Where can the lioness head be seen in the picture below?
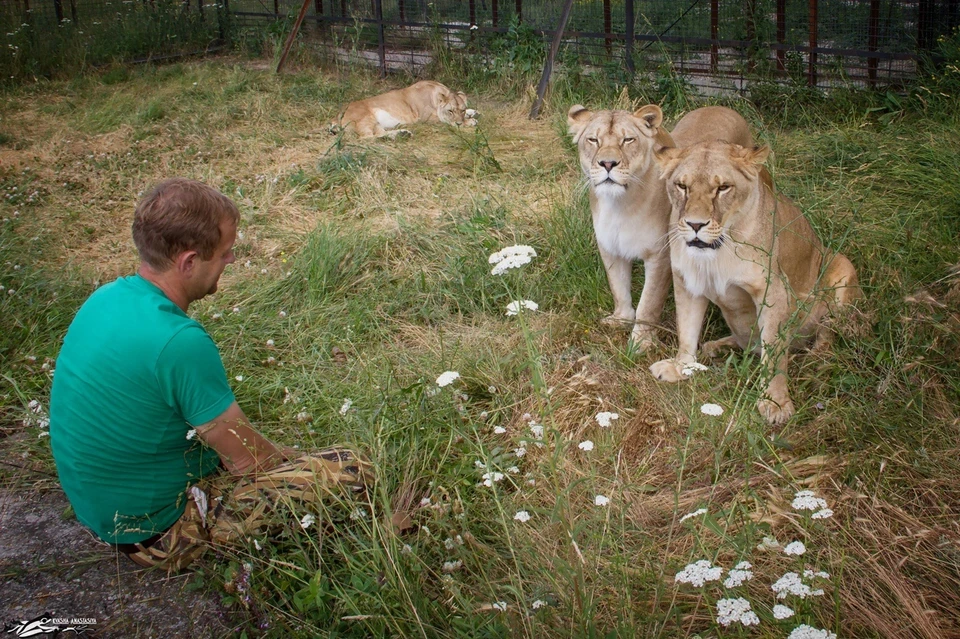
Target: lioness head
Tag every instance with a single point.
(711, 186)
(452, 107)
(615, 146)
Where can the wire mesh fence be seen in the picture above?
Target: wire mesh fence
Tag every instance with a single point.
(718, 43)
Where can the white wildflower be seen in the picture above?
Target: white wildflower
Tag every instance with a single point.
(804, 631)
(696, 513)
(806, 500)
(479, 464)
(236, 309)
(448, 543)
(782, 612)
(256, 544)
(809, 574)
(520, 452)
(270, 343)
(515, 261)
(825, 513)
(347, 403)
(511, 251)
(489, 479)
(513, 470)
(536, 430)
(406, 550)
(358, 513)
(738, 575)
(714, 410)
(513, 308)
(452, 566)
(500, 605)
(447, 378)
(699, 573)
(605, 418)
(585, 445)
(499, 430)
(191, 433)
(691, 368)
(601, 500)
(733, 610)
(791, 584)
(239, 378)
(794, 548)
(282, 314)
(522, 516)
(307, 521)
(42, 434)
(425, 502)
(539, 603)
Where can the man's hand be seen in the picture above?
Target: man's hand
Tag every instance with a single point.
(242, 449)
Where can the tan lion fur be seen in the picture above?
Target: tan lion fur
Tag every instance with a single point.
(755, 256)
(424, 101)
(628, 200)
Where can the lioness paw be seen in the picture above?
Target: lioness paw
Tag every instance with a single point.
(776, 413)
(668, 370)
(470, 122)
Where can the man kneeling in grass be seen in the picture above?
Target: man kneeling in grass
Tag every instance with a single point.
(142, 417)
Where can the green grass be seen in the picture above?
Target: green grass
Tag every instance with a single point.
(377, 281)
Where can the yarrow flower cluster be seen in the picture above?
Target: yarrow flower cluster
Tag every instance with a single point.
(699, 573)
(539, 603)
(794, 548)
(511, 257)
(733, 610)
(791, 584)
(601, 500)
(347, 403)
(782, 612)
(692, 367)
(714, 410)
(739, 574)
(605, 418)
(514, 307)
(307, 521)
(522, 516)
(489, 479)
(447, 378)
(807, 500)
(585, 445)
(804, 631)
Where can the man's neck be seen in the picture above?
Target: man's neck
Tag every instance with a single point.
(167, 282)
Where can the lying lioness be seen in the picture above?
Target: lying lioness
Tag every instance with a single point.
(424, 101)
(628, 201)
(735, 243)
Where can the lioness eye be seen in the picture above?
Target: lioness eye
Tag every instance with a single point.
(723, 188)
(628, 140)
(681, 187)
(592, 140)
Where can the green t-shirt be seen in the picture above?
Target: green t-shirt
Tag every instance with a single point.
(134, 375)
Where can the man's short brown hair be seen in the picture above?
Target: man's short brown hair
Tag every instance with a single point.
(180, 215)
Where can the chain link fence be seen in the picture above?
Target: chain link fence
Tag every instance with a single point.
(723, 44)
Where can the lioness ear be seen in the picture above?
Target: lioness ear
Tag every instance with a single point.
(667, 158)
(651, 118)
(577, 118)
(463, 97)
(757, 155)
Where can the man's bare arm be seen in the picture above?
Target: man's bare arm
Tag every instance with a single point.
(242, 449)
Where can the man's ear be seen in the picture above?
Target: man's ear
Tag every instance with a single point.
(651, 117)
(577, 118)
(185, 262)
(667, 158)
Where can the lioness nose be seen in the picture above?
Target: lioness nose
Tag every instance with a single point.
(608, 164)
(696, 226)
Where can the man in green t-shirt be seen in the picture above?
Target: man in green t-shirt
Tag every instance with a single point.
(141, 409)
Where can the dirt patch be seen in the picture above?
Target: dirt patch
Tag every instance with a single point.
(52, 565)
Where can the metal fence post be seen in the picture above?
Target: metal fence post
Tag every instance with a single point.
(812, 70)
(381, 44)
(872, 41)
(714, 34)
(607, 27)
(629, 36)
(495, 11)
(58, 9)
(781, 33)
(519, 10)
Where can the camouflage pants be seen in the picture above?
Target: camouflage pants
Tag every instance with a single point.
(221, 513)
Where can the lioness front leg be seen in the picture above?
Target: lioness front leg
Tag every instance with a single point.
(691, 309)
(619, 272)
(656, 285)
(775, 405)
(717, 347)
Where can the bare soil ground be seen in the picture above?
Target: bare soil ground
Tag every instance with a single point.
(50, 565)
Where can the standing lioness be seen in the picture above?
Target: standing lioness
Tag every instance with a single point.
(751, 252)
(628, 200)
(424, 101)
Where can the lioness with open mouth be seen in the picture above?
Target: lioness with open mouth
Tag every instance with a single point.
(628, 200)
(424, 101)
(750, 251)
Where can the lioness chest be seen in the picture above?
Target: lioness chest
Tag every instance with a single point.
(623, 230)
